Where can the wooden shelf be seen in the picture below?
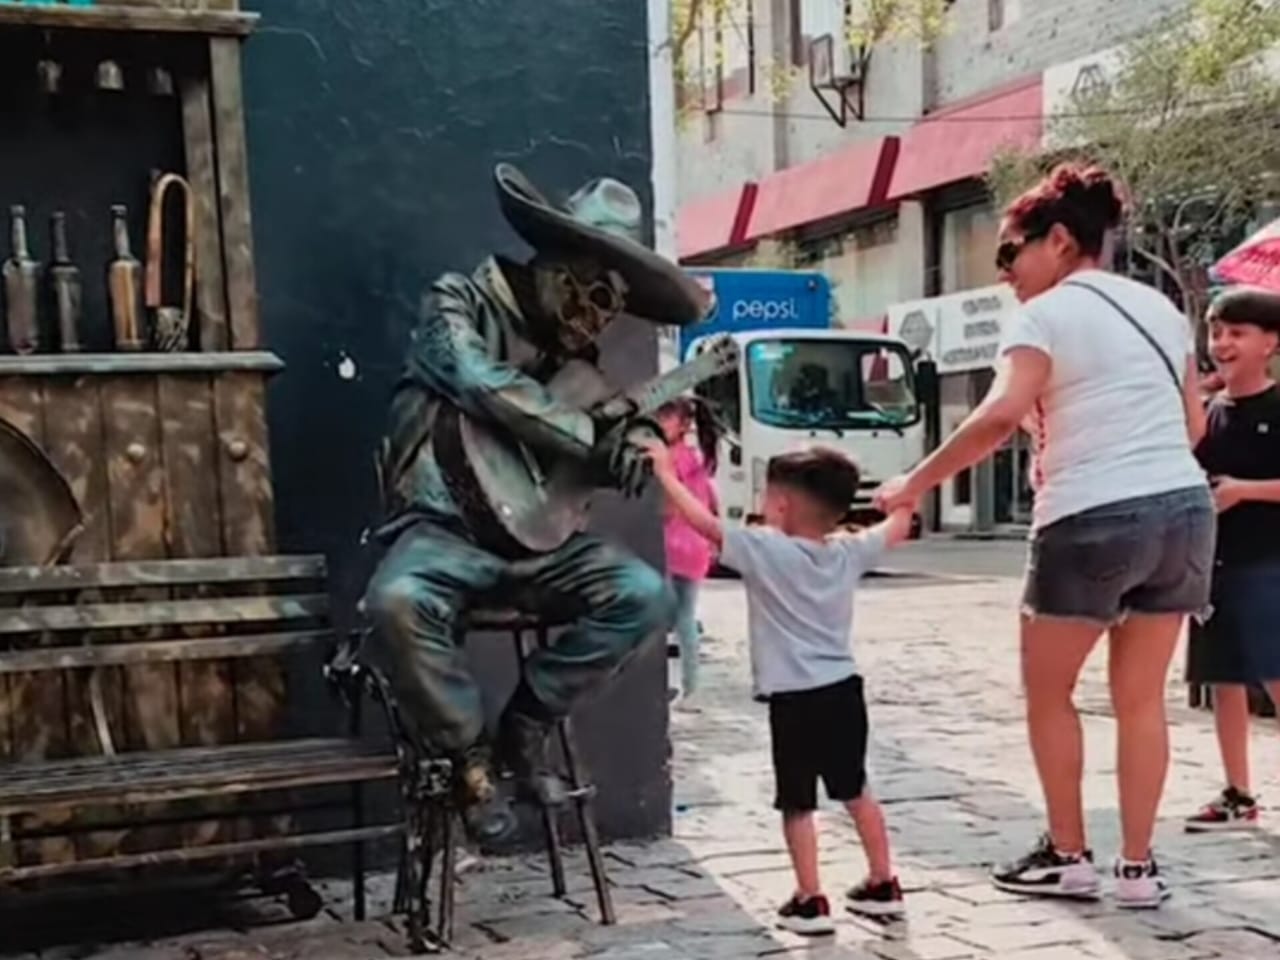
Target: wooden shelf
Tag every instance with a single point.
(73, 364)
(141, 19)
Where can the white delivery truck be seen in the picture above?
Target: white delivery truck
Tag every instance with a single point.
(802, 383)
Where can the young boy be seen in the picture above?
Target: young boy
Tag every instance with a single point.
(1240, 644)
(800, 579)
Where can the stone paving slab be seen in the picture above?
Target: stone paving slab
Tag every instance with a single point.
(949, 758)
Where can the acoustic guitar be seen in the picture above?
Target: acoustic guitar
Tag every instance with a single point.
(513, 498)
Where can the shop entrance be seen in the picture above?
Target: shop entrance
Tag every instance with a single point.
(1008, 472)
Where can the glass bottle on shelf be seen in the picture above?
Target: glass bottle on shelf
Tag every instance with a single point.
(67, 290)
(21, 287)
(124, 286)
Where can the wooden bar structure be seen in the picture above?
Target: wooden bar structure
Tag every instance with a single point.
(135, 17)
(167, 455)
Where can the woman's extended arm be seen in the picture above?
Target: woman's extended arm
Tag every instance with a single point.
(1021, 377)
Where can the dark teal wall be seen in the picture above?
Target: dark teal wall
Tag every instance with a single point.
(373, 127)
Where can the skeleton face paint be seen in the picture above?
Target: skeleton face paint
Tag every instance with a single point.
(582, 300)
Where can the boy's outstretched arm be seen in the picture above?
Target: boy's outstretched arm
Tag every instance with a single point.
(896, 528)
(684, 502)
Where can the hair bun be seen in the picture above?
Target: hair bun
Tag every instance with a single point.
(1091, 187)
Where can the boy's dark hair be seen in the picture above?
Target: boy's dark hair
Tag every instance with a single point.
(827, 476)
(1260, 308)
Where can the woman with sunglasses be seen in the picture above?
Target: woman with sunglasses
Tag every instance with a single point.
(1101, 371)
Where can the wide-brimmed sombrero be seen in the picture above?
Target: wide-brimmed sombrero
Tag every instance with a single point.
(604, 221)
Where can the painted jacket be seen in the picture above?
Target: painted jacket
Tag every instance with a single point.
(468, 351)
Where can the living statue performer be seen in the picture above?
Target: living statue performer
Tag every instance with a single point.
(499, 430)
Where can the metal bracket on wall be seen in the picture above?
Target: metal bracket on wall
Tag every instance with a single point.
(837, 78)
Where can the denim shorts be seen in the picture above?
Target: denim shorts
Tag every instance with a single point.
(1240, 642)
(1151, 555)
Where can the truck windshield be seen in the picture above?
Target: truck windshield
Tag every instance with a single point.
(832, 384)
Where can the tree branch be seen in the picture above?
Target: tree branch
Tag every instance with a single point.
(682, 38)
(1160, 262)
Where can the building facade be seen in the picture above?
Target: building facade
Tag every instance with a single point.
(873, 171)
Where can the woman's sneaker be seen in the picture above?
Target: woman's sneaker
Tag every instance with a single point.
(810, 917)
(1044, 872)
(1230, 810)
(1139, 885)
(876, 899)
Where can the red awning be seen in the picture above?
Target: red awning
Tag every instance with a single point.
(959, 142)
(715, 222)
(850, 179)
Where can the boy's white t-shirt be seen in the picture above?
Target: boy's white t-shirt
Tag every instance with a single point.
(800, 603)
(1111, 424)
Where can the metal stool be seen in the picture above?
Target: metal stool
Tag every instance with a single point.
(436, 806)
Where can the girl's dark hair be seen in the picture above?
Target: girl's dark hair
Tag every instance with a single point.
(707, 427)
(705, 424)
(1085, 200)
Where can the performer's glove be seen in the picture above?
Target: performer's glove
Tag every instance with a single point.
(619, 460)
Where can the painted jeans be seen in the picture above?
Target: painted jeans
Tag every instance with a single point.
(430, 577)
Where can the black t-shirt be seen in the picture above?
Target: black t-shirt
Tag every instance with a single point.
(1243, 441)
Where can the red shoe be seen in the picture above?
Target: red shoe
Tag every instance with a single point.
(1231, 810)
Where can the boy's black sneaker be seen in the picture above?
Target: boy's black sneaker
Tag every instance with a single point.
(1230, 810)
(810, 917)
(1044, 872)
(876, 899)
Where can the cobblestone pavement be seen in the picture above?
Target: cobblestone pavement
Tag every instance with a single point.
(950, 761)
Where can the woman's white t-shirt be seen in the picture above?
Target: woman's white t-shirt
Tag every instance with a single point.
(1110, 424)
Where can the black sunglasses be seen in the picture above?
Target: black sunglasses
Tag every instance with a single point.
(1007, 253)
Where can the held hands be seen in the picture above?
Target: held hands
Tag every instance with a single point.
(896, 493)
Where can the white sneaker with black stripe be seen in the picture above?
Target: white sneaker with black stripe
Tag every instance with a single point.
(1044, 872)
(1139, 885)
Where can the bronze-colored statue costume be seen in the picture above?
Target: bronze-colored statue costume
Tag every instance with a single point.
(476, 414)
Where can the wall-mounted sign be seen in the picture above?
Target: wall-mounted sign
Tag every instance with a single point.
(1069, 87)
(960, 331)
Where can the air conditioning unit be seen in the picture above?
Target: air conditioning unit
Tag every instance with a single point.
(833, 63)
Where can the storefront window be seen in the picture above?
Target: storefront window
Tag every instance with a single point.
(968, 248)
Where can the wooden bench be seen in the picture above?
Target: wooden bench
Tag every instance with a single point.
(135, 730)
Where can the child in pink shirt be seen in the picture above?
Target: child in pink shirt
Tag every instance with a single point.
(689, 554)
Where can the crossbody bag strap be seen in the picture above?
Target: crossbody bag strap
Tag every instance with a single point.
(1164, 357)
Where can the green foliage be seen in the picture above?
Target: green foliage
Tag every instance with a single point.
(1189, 124)
(880, 21)
(700, 29)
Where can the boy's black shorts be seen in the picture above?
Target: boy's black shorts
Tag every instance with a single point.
(818, 733)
